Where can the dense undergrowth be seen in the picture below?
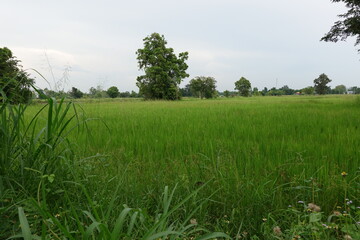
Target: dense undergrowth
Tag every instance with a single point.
(184, 170)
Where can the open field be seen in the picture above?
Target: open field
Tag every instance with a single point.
(251, 157)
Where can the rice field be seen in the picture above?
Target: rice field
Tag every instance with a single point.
(249, 158)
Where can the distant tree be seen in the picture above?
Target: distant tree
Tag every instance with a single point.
(98, 92)
(340, 89)
(256, 92)
(243, 86)
(320, 84)
(50, 93)
(210, 87)
(264, 91)
(275, 92)
(355, 90)
(113, 92)
(124, 94)
(203, 87)
(227, 93)
(92, 91)
(287, 90)
(133, 94)
(308, 90)
(76, 93)
(164, 71)
(186, 91)
(15, 83)
(349, 26)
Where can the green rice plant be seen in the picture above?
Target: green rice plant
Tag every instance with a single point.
(129, 224)
(357, 101)
(261, 154)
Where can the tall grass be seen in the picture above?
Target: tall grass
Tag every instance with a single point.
(32, 156)
(45, 186)
(262, 153)
(29, 151)
(230, 163)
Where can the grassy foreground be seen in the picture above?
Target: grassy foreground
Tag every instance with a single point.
(247, 167)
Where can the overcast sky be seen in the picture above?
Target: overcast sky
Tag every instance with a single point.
(268, 42)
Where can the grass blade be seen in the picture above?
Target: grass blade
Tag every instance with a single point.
(119, 223)
(24, 224)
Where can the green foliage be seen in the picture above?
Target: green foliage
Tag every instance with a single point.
(243, 86)
(134, 94)
(113, 92)
(264, 91)
(14, 82)
(355, 90)
(186, 91)
(275, 92)
(203, 87)
(30, 152)
(97, 92)
(129, 223)
(308, 90)
(38, 167)
(251, 157)
(320, 84)
(259, 151)
(306, 221)
(349, 26)
(340, 89)
(287, 91)
(164, 71)
(226, 93)
(76, 93)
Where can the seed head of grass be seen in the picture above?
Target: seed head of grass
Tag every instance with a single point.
(313, 207)
(277, 231)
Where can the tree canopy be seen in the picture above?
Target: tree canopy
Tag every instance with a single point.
(308, 90)
(76, 93)
(113, 92)
(203, 87)
(339, 89)
(349, 25)
(164, 71)
(15, 83)
(320, 84)
(243, 86)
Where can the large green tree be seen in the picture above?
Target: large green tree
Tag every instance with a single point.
(243, 86)
(320, 84)
(113, 92)
(15, 83)
(164, 70)
(203, 87)
(348, 26)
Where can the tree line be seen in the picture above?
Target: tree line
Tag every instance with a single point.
(94, 92)
(15, 83)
